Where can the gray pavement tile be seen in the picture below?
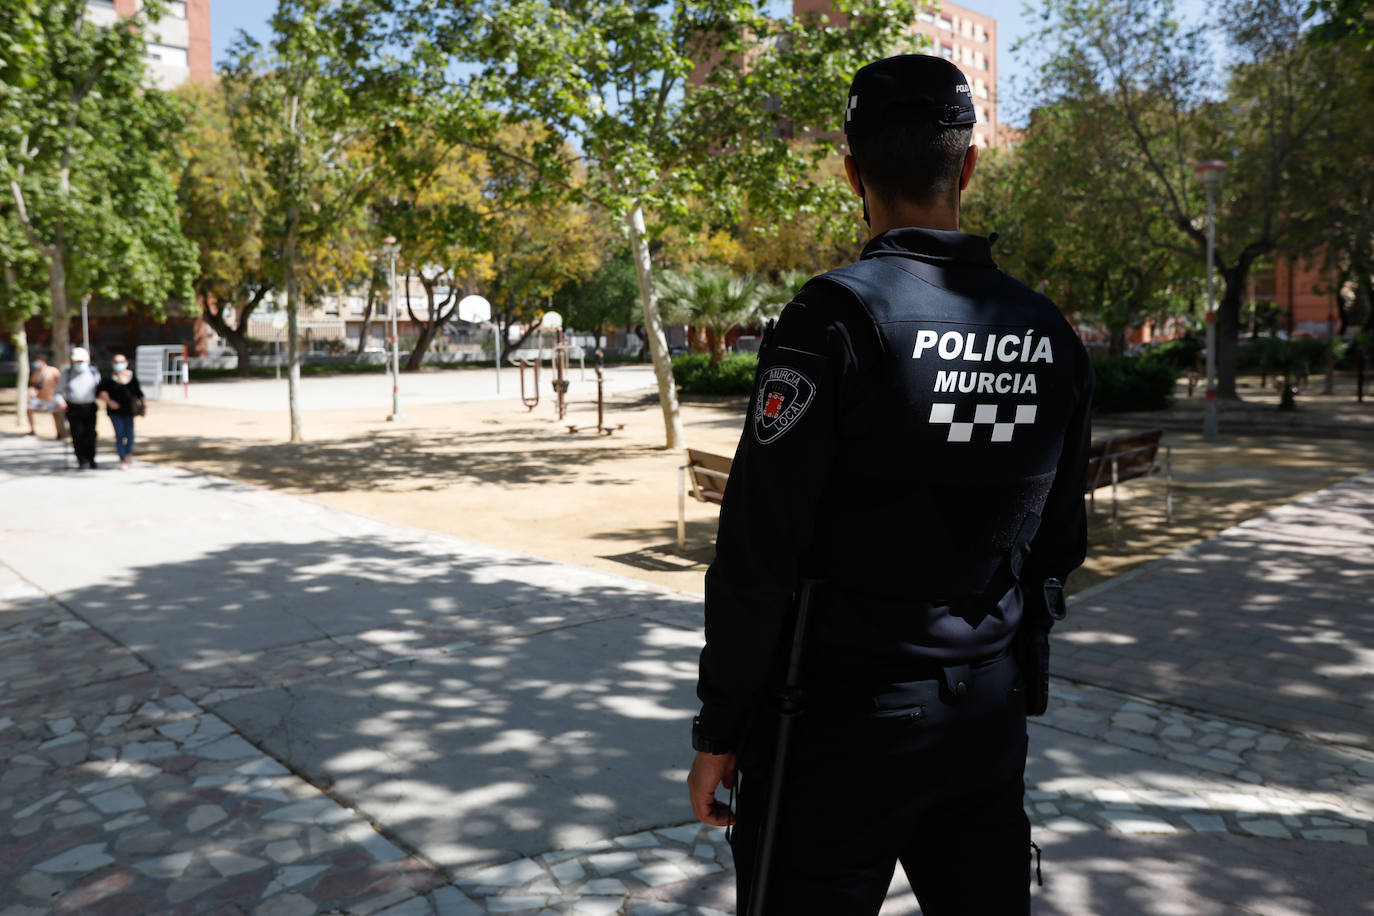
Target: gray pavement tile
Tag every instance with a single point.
(496, 711)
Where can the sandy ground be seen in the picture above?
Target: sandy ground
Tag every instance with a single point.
(492, 472)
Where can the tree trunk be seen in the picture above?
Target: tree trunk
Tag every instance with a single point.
(717, 346)
(1365, 291)
(1116, 344)
(701, 341)
(653, 325)
(1228, 327)
(237, 339)
(428, 329)
(367, 316)
(243, 362)
(293, 352)
(57, 290)
(21, 375)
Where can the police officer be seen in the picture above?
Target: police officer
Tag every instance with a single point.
(917, 440)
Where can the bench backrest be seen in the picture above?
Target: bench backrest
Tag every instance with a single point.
(1134, 453)
(709, 473)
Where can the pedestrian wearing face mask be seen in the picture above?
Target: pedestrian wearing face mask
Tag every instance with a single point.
(78, 388)
(123, 398)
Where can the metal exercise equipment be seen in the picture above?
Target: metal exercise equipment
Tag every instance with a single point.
(601, 428)
(529, 401)
(560, 371)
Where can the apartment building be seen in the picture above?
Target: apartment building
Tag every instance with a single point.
(959, 34)
(178, 43)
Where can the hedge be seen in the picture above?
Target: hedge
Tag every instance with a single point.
(694, 373)
(1125, 383)
(1180, 354)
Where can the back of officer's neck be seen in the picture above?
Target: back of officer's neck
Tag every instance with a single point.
(902, 214)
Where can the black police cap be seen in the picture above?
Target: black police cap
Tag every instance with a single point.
(908, 86)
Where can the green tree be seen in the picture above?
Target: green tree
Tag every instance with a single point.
(235, 274)
(1343, 182)
(1077, 227)
(607, 298)
(1341, 21)
(714, 300)
(1158, 109)
(311, 116)
(22, 287)
(662, 104)
(84, 153)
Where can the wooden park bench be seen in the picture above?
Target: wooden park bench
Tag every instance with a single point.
(707, 473)
(1111, 462)
(1128, 457)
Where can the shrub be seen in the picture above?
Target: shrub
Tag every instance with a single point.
(1125, 384)
(694, 373)
(1181, 353)
(1300, 358)
(1269, 355)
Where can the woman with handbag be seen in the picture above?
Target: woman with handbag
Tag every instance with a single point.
(123, 398)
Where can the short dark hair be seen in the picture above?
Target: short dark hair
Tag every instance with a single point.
(916, 162)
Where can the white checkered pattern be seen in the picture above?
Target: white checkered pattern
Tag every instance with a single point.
(983, 415)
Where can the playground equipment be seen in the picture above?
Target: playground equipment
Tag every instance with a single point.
(601, 428)
(560, 363)
(529, 401)
(560, 368)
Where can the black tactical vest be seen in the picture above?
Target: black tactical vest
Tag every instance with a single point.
(947, 457)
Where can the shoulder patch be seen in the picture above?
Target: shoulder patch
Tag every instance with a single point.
(783, 396)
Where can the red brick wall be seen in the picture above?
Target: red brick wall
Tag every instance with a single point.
(199, 53)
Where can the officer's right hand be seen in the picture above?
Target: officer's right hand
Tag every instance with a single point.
(708, 772)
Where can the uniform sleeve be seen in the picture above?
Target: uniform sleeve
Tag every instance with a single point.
(1061, 542)
(768, 516)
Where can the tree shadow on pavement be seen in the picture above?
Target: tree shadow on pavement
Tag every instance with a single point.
(1270, 622)
(478, 708)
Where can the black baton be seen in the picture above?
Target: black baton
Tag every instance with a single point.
(791, 704)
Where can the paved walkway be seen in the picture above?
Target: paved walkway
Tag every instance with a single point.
(218, 699)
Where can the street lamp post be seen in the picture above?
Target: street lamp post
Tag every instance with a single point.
(1209, 173)
(392, 248)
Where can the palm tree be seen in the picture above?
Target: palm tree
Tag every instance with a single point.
(714, 299)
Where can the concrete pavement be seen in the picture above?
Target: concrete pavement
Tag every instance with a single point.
(221, 699)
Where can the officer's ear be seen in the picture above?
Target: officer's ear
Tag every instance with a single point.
(851, 171)
(970, 162)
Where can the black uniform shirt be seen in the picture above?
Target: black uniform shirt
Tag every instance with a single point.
(917, 439)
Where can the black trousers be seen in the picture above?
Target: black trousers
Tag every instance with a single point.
(81, 419)
(920, 774)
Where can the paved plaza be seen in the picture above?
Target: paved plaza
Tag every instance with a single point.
(220, 699)
(434, 386)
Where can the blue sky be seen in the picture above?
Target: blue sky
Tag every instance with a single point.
(229, 16)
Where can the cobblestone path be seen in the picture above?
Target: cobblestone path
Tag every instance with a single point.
(132, 786)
